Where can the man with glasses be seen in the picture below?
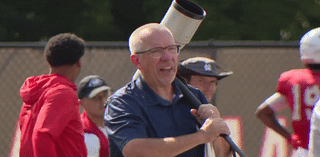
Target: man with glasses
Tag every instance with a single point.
(93, 92)
(150, 116)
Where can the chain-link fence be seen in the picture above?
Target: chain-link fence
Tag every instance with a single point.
(256, 67)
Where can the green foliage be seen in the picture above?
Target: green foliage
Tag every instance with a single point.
(114, 20)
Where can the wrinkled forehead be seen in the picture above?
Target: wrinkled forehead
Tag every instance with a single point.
(156, 38)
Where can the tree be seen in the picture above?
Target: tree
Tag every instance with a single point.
(257, 20)
(114, 20)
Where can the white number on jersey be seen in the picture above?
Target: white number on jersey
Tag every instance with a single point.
(311, 95)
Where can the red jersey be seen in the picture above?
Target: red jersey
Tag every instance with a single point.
(301, 89)
(50, 118)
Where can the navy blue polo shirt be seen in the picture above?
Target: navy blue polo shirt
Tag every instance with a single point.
(135, 111)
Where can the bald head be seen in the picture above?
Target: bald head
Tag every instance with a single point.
(140, 38)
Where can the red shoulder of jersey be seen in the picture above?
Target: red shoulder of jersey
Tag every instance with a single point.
(301, 77)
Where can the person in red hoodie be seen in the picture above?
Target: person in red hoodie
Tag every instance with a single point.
(93, 93)
(50, 118)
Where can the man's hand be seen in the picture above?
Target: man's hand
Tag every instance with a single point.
(212, 124)
(212, 128)
(205, 111)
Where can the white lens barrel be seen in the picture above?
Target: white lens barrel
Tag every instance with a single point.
(183, 19)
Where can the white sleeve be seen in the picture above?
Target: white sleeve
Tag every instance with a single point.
(92, 143)
(314, 138)
(277, 102)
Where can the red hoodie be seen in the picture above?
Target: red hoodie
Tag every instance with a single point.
(50, 118)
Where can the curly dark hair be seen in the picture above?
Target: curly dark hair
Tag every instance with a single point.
(64, 49)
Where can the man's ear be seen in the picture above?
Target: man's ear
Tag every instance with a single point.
(134, 59)
(79, 63)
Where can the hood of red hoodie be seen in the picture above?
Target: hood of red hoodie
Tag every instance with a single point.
(34, 86)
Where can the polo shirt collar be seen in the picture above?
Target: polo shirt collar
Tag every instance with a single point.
(152, 98)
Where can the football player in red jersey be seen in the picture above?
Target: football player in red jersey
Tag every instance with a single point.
(297, 89)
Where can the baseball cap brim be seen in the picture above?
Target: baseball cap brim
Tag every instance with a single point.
(197, 69)
(94, 92)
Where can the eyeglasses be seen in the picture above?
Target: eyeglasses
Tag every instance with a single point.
(157, 52)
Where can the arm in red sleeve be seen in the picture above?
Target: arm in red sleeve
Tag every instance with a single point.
(44, 145)
(61, 105)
